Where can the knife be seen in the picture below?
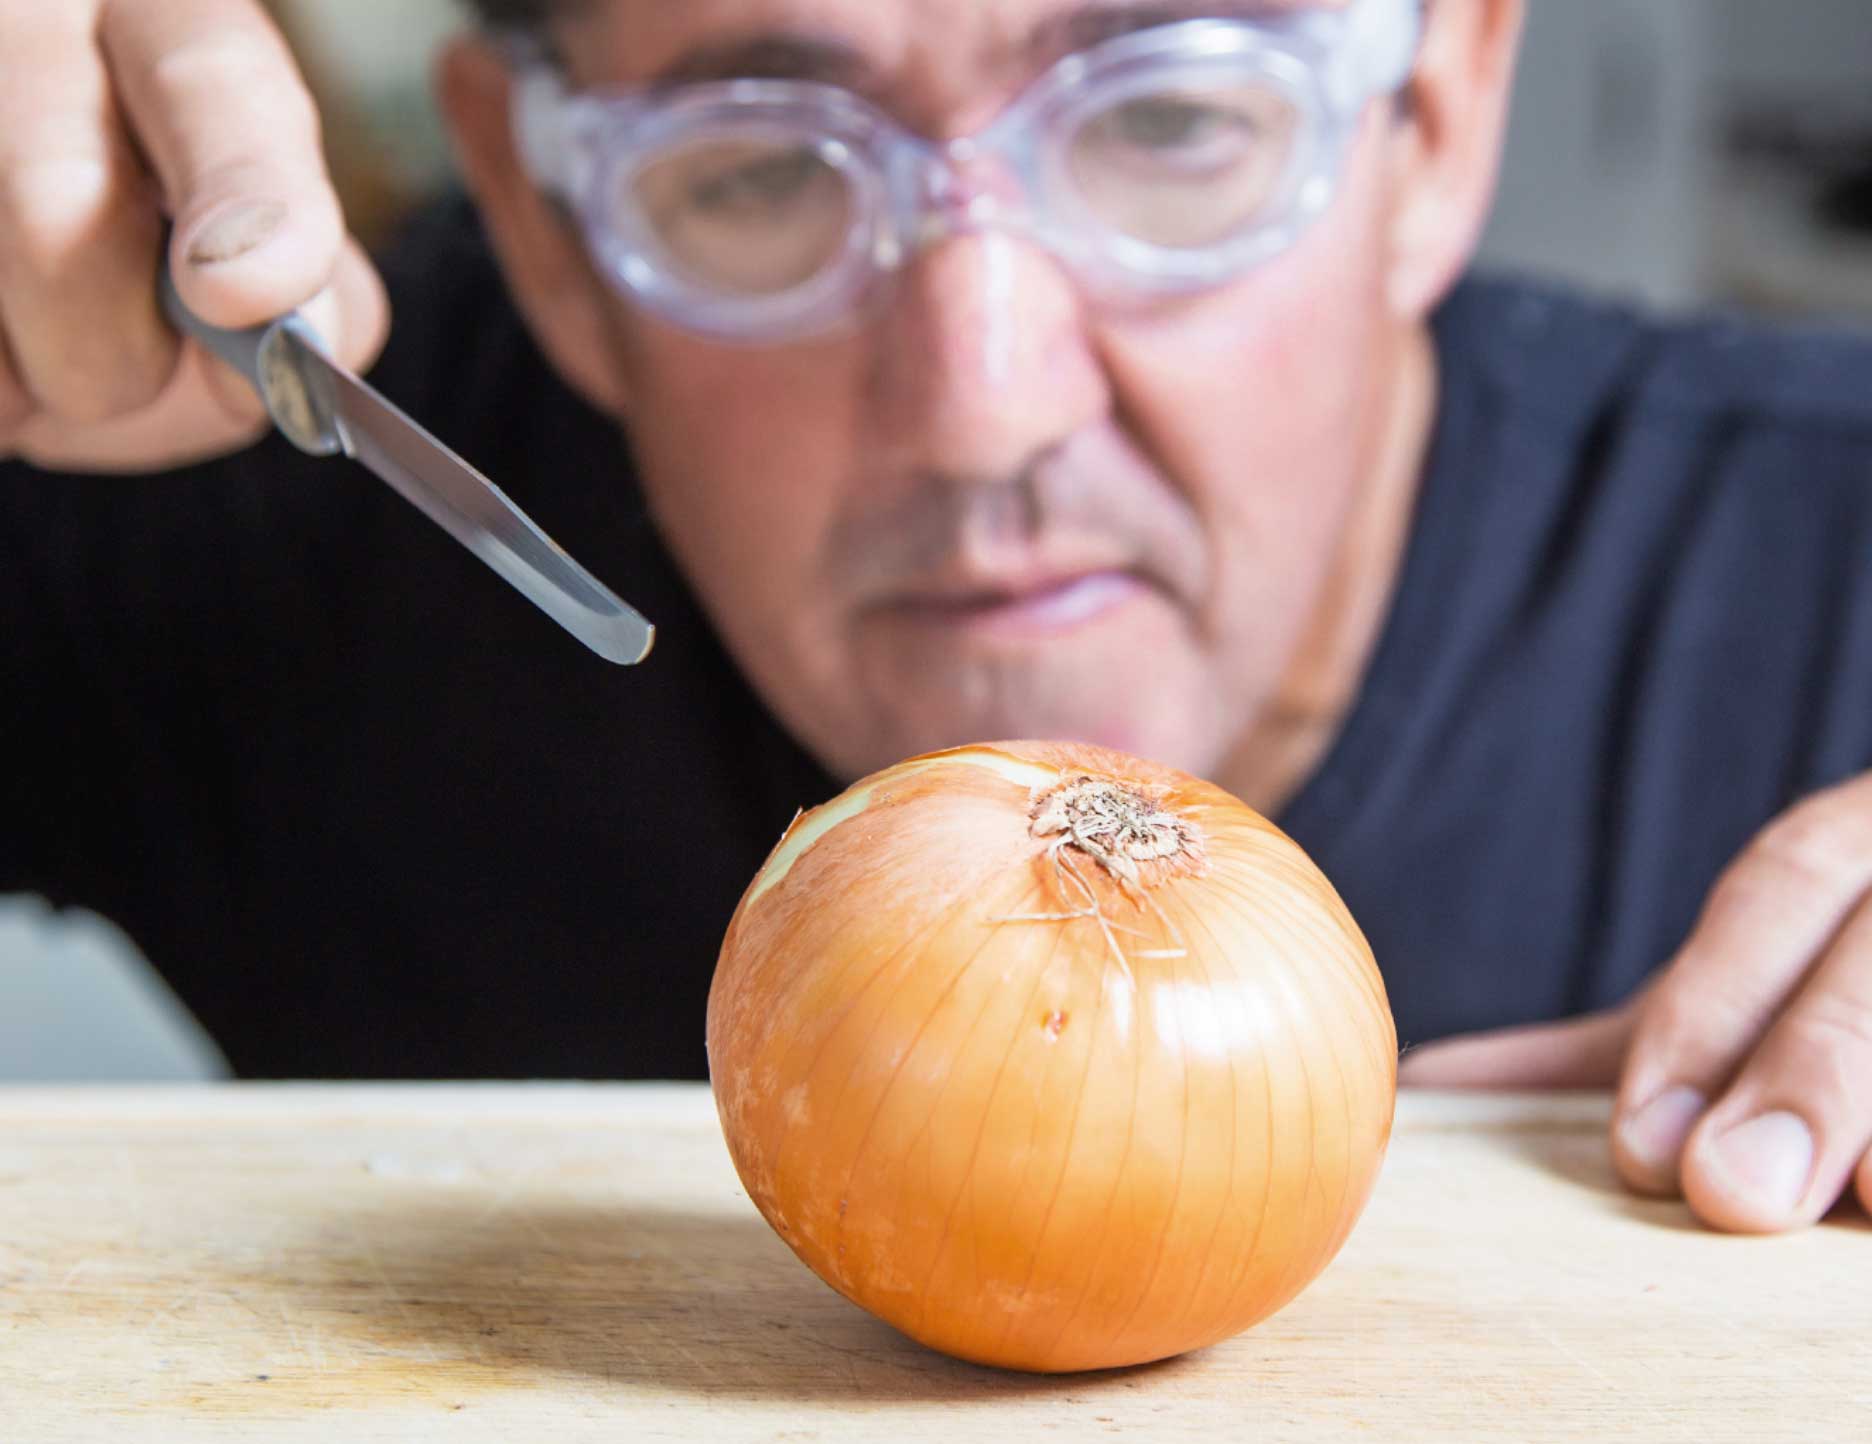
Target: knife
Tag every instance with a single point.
(326, 411)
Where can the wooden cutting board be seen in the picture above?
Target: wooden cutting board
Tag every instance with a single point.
(565, 1263)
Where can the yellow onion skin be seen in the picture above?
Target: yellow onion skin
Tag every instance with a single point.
(1022, 1139)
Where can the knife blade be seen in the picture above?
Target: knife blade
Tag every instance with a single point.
(324, 410)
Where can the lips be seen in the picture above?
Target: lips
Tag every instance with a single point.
(1039, 605)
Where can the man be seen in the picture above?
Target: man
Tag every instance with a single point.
(1144, 414)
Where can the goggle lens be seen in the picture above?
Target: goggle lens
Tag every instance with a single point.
(746, 215)
(1186, 168)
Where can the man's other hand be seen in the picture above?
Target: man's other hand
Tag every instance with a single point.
(118, 117)
(1744, 1070)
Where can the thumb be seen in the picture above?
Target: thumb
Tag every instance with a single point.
(218, 106)
(1586, 1052)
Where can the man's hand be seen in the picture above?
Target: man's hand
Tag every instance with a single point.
(119, 115)
(1744, 1070)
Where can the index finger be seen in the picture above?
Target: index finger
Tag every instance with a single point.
(1766, 922)
(1782, 1143)
(218, 105)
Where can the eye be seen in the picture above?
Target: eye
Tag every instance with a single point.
(1186, 167)
(1171, 124)
(764, 183)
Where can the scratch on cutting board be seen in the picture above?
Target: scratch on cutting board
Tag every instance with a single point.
(310, 1347)
(320, 1365)
(705, 1369)
(1572, 1355)
(410, 1322)
(502, 1198)
(1788, 1360)
(292, 1335)
(199, 1289)
(852, 1357)
(83, 1266)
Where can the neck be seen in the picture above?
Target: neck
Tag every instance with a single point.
(1309, 703)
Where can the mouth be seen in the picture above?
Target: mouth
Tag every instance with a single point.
(1039, 607)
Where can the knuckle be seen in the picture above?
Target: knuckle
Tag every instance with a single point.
(1675, 1018)
(50, 209)
(1836, 1026)
(1691, 1026)
(68, 226)
(1694, 1004)
(1820, 842)
(1820, 1053)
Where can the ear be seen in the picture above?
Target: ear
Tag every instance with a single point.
(561, 298)
(1449, 145)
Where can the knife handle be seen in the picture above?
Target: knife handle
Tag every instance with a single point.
(298, 397)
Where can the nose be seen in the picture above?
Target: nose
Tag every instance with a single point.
(982, 362)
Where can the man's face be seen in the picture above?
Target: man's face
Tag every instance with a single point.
(992, 508)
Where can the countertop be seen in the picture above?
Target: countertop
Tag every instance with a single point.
(568, 1262)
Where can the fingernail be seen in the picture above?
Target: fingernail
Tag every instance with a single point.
(1767, 1161)
(1655, 1134)
(235, 231)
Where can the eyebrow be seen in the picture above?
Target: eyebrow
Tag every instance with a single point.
(770, 55)
(802, 55)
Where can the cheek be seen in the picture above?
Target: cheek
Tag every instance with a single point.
(745, 456)
(1266, 403)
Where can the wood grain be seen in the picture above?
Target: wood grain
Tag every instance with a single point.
(569, 1263)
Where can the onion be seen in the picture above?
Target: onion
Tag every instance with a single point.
(1050, 1057)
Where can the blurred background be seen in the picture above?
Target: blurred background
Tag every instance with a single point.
(1695, 152)
(1676, 153)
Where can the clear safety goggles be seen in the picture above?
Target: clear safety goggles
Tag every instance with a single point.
(1163, 162)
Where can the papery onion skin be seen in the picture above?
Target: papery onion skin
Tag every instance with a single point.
(1006, 1139)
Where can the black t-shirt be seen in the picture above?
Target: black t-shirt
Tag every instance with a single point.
(372, 815)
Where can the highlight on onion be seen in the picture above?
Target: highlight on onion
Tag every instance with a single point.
(1051, 1057)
